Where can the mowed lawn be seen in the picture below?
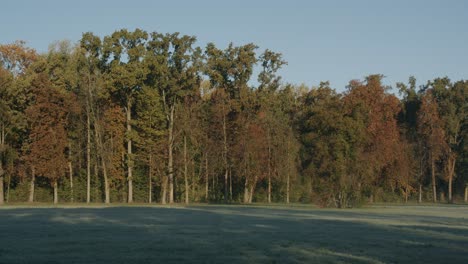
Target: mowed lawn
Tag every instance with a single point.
(234, 234)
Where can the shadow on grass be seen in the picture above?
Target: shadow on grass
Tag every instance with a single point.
(228, 234)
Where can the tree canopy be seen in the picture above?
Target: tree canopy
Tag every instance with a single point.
(152, 117)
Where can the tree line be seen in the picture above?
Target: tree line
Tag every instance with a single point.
(150, 117)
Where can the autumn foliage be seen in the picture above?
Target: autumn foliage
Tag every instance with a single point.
(138, 116)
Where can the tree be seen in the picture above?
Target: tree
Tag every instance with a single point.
(150, 127)
(229, 71)
(125, 52)
(370, 104)
(269, 83)
(408, 123)
(6, 82)
(48, 136)
(174, 70)
(453, 109)
(15, 59)
(330, 141)
(61, 70)
(430, 127)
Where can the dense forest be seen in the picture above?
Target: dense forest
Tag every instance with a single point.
(153, 118)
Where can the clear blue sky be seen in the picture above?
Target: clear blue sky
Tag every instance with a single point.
(321, 40)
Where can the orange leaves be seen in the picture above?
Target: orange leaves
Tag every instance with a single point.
(369, 102)
(16, 57)
(431, 127)
(48, 136)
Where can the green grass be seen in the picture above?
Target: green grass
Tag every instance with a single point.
(239, 234)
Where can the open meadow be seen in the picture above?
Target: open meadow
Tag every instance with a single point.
(234, 234)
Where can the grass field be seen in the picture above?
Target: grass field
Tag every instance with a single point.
(239, 234)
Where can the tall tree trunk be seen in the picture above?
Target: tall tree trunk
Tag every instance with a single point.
(70, 173)
(186, 171)
(230, 184)
(150, 181)
(124, 193)
(2, 172)
(170, 154)
(8, 188)
(214, 183)
(287, 187)
(252, 189)
(269, 170)
(406, 192)
(106, 182)
(452, 161)
(246, 191)
(31, 185)
(164, 190)
(102, 157)
(269, 188)
(55, 192)
(450, 190)
(434, 190)
(466, 194)
(88, 153)
(129, 152)
(420, 194)
(288, 173)
(246, 183)
(195, 187)
(206, 178)
(225, 152)
(96, 180)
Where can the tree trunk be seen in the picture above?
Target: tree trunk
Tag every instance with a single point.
(246, 191)
(252, 189)
(287, 188)
(170, 155)
(434, 190)
(269, 169)
(450, 190)
(129, 152)
(206, 178)
(420, 194)
(150, 182)
(287, 174)
(452, 161)
(230, 184)
(214, 183)
(406, 192)
(246, 183)
(164, 191)
(31, 185)
(185, 172)
(55, 192)
(88, 153)
(269, 188)
(102, 157)
(466, 193)
(106, 182)
(2, 201)
(70, 173)
(2, 172)
(96, 180)
(8, 188)
(225, 152)
(226, 193)
(195, 187)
